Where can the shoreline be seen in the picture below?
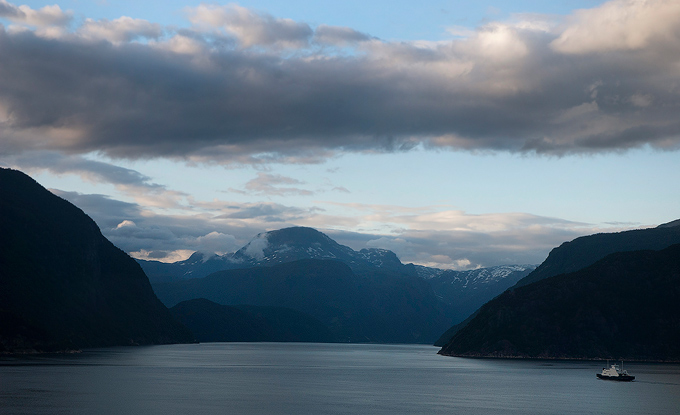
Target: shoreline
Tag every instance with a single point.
(584, 359)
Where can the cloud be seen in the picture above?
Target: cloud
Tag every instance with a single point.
(255, 248)
(339, 35)
(470, 250)
(622, 25)
(147, 234)
(209, 227)
(270, 184)
(46, 16)
(252, 28)
(265, 212)
(127, 181)
(107, 212)
(450, 239)
(91, 170)
(123, 29)
(216, 243)
(436, 237)
(247, 87)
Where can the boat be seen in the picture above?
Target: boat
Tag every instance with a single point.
(614, 372)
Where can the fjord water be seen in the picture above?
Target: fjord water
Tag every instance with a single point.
(298, 378)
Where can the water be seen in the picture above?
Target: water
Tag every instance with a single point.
(297, 378)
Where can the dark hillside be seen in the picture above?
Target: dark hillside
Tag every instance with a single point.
(63, 285)
(212, 322)
(626, 306)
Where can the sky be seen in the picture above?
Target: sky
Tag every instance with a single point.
(457, 134)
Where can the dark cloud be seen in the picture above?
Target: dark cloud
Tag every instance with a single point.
(10, 11)
(339, 36)
(107, 212)
(507, 87)
(268, 212)
(46, 16)
(98, 171)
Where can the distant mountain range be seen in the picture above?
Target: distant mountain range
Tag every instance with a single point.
(378, 295)
(461, 292)
(276, 247)
(371, 307)
(596, 297)
(63, 285)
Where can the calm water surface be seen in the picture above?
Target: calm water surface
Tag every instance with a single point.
(295, 378)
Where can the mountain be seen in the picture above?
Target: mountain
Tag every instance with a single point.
(586, 250)
(367, 307)
(292, 244)
(625, 306)
(63, 285)
(212, 322)
(465, 291)
(456, 293)
(277, 247)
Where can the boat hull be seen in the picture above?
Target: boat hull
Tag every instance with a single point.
(620, 378)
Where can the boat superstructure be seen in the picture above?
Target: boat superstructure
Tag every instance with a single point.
(614, 372)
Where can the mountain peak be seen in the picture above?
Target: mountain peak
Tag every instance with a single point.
(277, 247)
(297, 235)
(291, 244)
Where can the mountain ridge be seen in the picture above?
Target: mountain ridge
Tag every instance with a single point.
(586, 250)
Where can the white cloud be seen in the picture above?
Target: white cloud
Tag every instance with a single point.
(621, 25)
(123, 29)
(255, 248)
(162, 256)
(182, 44)
(499, 42)
(251, 28)
(216, 243)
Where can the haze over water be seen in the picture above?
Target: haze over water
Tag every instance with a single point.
(295, 378)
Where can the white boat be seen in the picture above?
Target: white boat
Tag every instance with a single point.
(614, 372)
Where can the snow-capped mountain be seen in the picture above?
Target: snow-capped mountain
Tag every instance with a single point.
(468, 290)
(277, 247)
(476, 278)
(292, 244)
